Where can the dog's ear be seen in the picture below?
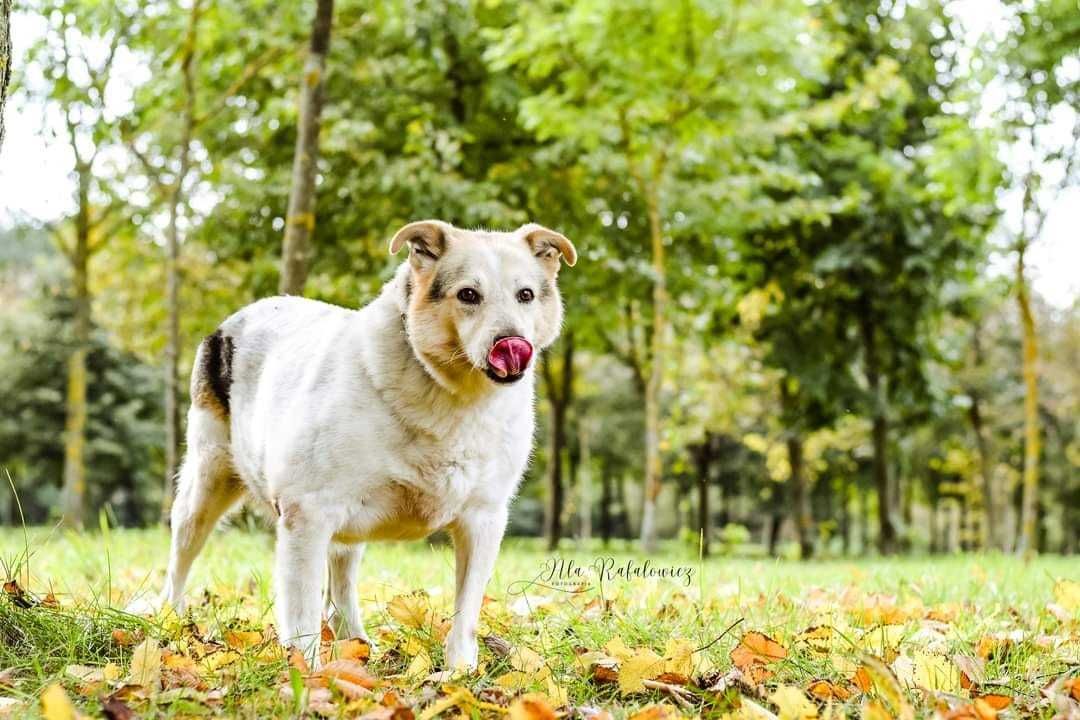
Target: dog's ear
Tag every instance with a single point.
(549, 245)
(426, 240)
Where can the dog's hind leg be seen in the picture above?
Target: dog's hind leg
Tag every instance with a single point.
(342, 600)
(207, 488)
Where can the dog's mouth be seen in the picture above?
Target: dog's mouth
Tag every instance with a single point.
(508, 359)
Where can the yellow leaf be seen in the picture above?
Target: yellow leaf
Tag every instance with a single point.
(218, 660)
(1067, 594)
(413, 610)
(527, 660)
(887, 687)
(679, 657)
(793, 703)
(420, 665)
(617, 648)
(242, 639)
(934, 672)
(145, 667)
(635, 670)
(55, 704)
(514, 680)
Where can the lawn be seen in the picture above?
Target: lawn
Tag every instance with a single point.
(970, 635)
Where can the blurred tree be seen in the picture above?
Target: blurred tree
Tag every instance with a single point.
(1039, 68)
(908, 192)
(300, 217)
(5, 59)
(642, 89)
(77, 57)
(173, 152)
(123, 425)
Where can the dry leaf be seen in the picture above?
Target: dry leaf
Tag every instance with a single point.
(887, 686)
(793, 703)
(145, 667)
(531, 707)
(679, 657)
(757, 648)
(55, 704)
(242, 639)
(655, 712)
(826, 690)
(113, 708)
(1067, 594)
(642, 665)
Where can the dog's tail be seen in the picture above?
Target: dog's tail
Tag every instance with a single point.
(211, 376)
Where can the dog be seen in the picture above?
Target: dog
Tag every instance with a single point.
(411, 415)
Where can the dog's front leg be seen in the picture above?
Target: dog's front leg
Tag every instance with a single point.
(476, 546)
(302, 545)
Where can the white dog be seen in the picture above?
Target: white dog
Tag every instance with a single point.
(410, 415)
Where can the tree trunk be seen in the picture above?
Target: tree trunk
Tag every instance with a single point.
(653, 461)
(887, 534)
(704, 512)
(172, 270)
(560, 395)
(5, 59)
(605, 501)
(800, 493)
(584, 477)
(73, 499)
(1027, 540)
(300, 220)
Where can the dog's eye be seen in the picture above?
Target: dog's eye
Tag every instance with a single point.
(525, 295)
(468, 296)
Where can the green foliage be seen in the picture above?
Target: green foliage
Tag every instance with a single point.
(124, 418)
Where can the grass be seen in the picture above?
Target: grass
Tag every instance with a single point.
(916, 614)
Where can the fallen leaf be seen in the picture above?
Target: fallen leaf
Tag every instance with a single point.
(145, 667)
(55, 704)
(793, 703)
(887, 686)
(826, 690)
(351, 671)
(972, 670)
(18, 597)
(634, 670)
(114, 708)
(242, 639)
(531, 707)
(757, 648)
(679, 657)
(1066, 592)
(352, 649)
(655, 712)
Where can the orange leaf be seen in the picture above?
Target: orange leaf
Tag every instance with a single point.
(352, 671)
(531, 707)
(862, 679)
(998, 702)
(655, 712)
(826, 690)
(757, 648)
(298, 661)
(352, 649)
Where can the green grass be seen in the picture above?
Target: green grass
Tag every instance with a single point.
(94, 574)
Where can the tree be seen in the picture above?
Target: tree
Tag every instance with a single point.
(642, 88)
(168, 179)
(300, 218)
(79, 82)
(5, 59)
(1041, 87)
(907, 197)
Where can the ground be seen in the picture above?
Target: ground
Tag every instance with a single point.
(970, 635)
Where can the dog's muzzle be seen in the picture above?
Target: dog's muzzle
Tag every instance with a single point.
(508, 359)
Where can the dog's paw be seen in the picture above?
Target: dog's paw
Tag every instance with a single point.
(145, 605)
(461, 654)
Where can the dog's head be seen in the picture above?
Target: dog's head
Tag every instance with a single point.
(481, 303)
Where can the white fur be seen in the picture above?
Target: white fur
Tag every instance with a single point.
(348, 426)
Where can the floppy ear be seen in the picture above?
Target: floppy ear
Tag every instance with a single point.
(549, 244)
(426, 240)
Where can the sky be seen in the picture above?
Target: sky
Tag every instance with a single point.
(36, 184)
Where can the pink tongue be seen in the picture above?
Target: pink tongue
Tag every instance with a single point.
(510, 356)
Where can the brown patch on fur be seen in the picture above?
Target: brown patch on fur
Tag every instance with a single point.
(211, 382)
